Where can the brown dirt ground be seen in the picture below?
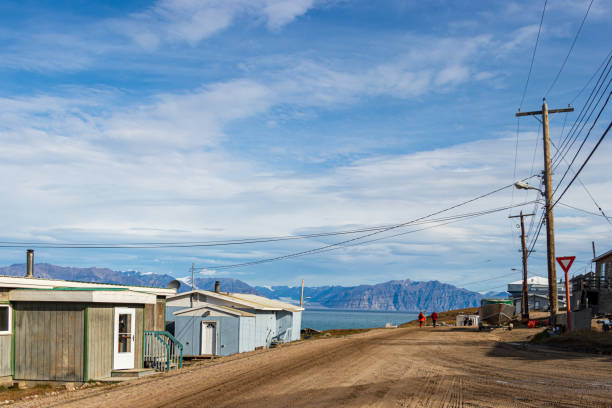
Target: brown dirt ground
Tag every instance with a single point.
(448, 317)
(405, 367)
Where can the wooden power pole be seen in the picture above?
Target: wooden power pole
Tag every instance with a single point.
(192, 276)
(302, 295)
(550, 225)
(524, 299)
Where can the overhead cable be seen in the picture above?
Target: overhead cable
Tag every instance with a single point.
(584, 163)
(340, 244)
(570, 50)
(535, 47)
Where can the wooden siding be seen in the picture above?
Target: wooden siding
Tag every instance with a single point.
(5, 355)
(4, 294)
(138, 344)
(155, 315)
(49, 341)
(100, 340)
(149, 316)
(160, 314)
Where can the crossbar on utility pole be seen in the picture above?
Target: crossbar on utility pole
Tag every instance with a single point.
(524, 299)
(550, 227)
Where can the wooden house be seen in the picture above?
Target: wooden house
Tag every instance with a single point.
(54, 330)
(593, 290)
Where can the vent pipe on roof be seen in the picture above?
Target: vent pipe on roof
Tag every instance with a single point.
(30, 263)
(217, 286)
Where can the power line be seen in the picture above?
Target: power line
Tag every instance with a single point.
(585, 211)
(574, 131)
(341, 244)
(462, 217)
(585, 163)
(585, 108)
(582, 144)
(141, 245)
(541, 223)
(570, 50)
(590, 196)
(607, 58)
(376, 230)
(533, 55)
(535, 47)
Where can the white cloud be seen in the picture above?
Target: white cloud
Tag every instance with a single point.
(208, 272)
(192, 21)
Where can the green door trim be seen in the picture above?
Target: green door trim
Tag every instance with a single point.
(142, 345)
(86, 345)
(13, 334)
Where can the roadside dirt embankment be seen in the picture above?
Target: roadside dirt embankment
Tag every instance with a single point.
(404, 367)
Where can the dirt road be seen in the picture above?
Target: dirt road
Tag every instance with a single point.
(443, 367)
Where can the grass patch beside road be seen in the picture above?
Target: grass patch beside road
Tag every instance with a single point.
(583, 341)
(332, 333)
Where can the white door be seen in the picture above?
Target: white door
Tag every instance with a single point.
(209, 338)
(123, 357)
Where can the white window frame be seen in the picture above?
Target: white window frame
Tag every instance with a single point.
(10, 318)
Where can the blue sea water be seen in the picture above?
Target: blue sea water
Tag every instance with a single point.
(350, 319)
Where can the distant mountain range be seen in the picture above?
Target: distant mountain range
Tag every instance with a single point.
(397, 295)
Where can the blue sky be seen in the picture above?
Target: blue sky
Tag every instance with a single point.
(180, 120)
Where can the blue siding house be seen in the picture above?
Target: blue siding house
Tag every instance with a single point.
(222, 323)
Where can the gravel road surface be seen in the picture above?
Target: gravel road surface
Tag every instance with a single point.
(443, 367)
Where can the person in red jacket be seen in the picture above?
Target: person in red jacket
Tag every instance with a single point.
(434, 318)
(421, 319)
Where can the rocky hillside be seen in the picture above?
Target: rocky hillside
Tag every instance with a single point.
(105, 275)
(401, 295)
(102, 275)
(398, 295)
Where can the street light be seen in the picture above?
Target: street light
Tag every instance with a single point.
(521, 185)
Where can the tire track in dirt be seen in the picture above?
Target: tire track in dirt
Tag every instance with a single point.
(381, 368)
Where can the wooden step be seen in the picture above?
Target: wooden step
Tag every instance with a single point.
(133, 372)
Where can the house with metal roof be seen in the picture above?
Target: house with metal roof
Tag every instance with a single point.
(54, 330)
(537, 294)
(223, 323)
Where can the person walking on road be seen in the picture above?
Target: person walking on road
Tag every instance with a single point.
(434, 318)
(421, 319)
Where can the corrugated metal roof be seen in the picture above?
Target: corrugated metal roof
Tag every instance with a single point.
(230, 310)
(267, 302)
(81, 296)
(534, 280)
(44, 283)
(246, 300)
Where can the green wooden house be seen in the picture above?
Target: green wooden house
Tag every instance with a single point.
(54, 331)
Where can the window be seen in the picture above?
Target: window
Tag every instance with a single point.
(5, 319)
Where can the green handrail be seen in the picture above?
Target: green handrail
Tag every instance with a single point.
(175, 342)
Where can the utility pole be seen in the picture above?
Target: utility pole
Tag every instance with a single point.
(192, 276)
(302, 295)
(524, 299)
(550, 225)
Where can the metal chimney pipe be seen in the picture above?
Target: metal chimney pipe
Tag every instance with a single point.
(217, 286)
(30, 263)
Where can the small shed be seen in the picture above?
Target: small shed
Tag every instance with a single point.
(468, 320)
(53, 330)
(222, 323)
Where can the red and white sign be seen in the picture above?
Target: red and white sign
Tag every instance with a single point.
(566, 262)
